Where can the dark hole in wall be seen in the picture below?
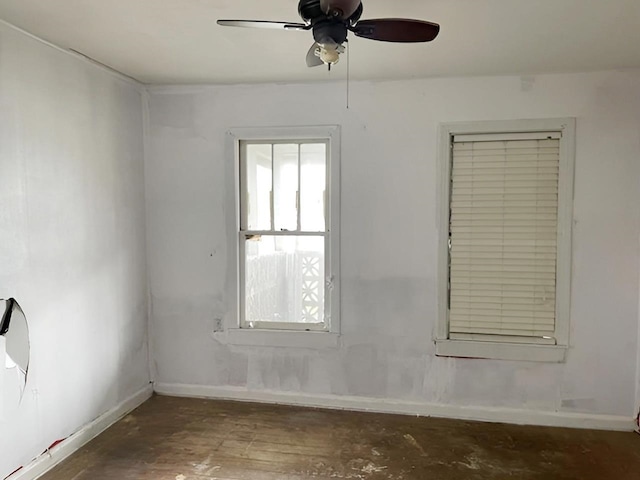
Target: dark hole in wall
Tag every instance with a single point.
(6, 316)
(15, 348)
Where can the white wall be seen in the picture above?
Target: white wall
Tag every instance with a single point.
(72, 238)
(637, 404)
(389, 240)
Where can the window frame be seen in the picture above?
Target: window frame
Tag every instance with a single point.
(497, 347)
(289, 334)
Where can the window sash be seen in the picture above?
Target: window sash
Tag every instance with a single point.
(244, 190)
(504, 237)
(244, 233)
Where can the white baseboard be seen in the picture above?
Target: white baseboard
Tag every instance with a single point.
(366, 404)
(57, 454)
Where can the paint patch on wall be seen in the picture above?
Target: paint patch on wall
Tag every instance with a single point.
(579, 404)
(14, 355)
(527, 83)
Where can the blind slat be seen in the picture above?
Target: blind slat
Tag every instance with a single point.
(507, 290)
(506, 213)
(464, 305)
(516, 264)
(533, 162)
(488, 252)
(503, 331)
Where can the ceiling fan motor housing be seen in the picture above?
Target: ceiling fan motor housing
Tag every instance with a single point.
(311, 12)
(310, 9)
(330, 31)
(327, 29)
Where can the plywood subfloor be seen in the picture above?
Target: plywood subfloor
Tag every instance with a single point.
(186, 439)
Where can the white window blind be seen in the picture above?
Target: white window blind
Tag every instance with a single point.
(504, 224)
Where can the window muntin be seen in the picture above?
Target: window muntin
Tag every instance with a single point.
(284, 240)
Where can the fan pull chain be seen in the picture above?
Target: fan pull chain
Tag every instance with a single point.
(348, 71)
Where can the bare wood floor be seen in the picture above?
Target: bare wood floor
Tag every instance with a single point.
(185, 439)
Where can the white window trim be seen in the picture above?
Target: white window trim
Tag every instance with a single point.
(235, 335)
(505, 350)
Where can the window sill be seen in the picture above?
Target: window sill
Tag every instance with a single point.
(278, 338)
(501, 351)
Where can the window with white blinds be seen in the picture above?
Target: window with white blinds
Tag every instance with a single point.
(504, 237)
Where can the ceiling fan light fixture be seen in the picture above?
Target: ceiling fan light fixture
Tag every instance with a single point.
(329, 54)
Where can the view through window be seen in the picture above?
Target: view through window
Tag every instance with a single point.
(284, 236)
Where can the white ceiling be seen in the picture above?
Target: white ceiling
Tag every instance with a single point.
(178, 41)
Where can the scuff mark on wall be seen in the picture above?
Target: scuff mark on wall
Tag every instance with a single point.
(14, 472)
(579, 404)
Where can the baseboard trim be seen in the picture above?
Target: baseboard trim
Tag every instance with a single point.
(366, 404)
(57, 454)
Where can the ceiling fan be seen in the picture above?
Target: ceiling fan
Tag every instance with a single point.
(331, 21)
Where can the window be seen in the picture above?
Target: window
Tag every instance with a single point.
(505, 262)
(287, 230)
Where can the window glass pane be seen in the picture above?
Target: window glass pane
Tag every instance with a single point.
(284, 279)
(313, 180)
(285, 192)
(258, 180)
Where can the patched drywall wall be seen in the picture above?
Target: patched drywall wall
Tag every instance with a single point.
(72, 239)
(389, 240)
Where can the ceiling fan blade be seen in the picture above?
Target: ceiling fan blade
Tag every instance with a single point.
(399, 30)
(347, 7)
(312, 59)
(264, 24)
